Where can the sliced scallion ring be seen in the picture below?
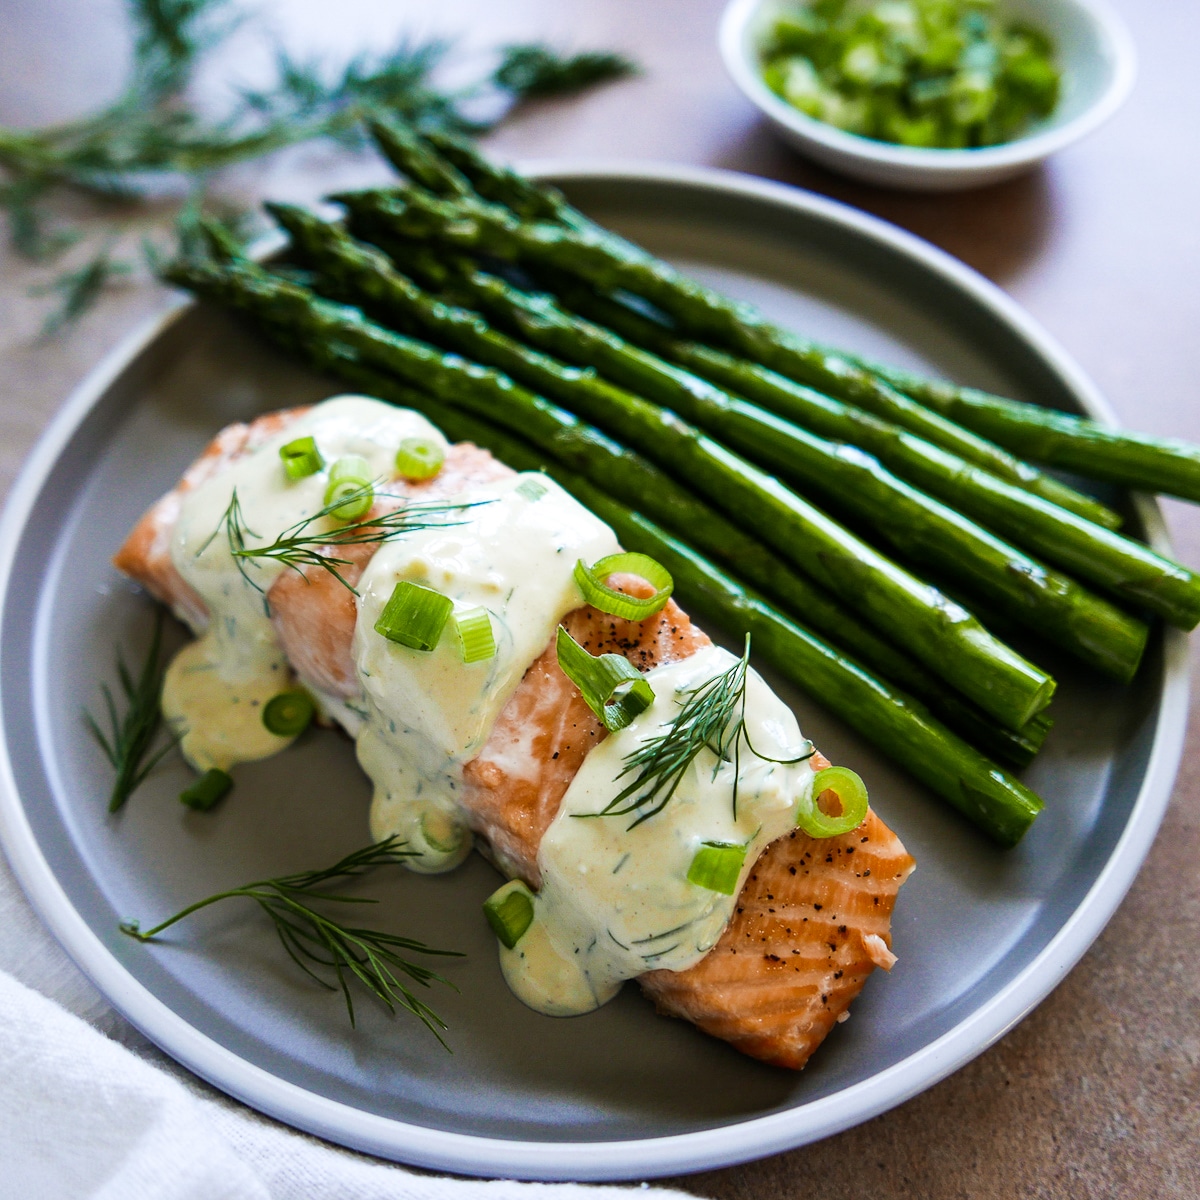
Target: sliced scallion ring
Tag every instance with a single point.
(301, 458)
(349, 488)
(848, 791)
(290, 713)
(717, 866)
(419, 458)
(476, 642)
(509, 911)
(441, 832)
(414, 616)
(598, 594)
(615, 690)
(205, 793)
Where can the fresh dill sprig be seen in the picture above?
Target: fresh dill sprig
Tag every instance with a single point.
(129, 743)
(152, 139)
(302, 544)
(712, 717)
(530, 70)
(315, 941)
(26, 227)
(201, 222)
(333, 101)
(236, 532)
(78, 290)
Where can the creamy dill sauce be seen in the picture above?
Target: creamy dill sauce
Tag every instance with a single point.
(512, 552)
(215, 688)
(616, 902)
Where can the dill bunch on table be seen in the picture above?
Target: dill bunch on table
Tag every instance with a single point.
(153, 139)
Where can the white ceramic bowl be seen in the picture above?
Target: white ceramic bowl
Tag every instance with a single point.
(1094, 49)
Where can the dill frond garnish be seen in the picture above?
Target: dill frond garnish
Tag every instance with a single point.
(713, 717)
(154, 140)
(305, 544)
(533, 71)
(78, 290)
(236, 531)
(316, 942)
(129, 744)
(300, 545)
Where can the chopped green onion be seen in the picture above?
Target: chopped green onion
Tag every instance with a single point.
(414, 616)
(441, 832)
(531, 489)
(509, 911)
(615, 690)
(599, 595)
(419, 458)
(204, 794)
(850, 793)
(717, 866)
(290, 713)
(476, 641)
(350, 488)
(301, 458)
(925, 73)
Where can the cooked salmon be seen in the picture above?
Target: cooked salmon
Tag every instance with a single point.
(812, 922)
(146, 554)
(314, 615)
(813, 919)
(516, 783)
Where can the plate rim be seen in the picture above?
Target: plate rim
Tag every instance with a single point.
(754, 1137)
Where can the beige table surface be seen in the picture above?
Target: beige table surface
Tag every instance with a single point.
(1097, 1093)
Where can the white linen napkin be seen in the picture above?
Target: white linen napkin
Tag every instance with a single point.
(89, 1110)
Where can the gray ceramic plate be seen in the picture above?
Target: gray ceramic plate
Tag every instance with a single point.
(982, 936)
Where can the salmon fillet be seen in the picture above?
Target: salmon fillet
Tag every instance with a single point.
(813, 919)
(516, 783)
(812, 922)
(314, 615)
(146, 554)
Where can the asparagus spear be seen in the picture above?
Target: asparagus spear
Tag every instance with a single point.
(711, 534)
(611, 263)
(1000, 805)
(1130, 571)
(527, 200)
(449, 165)
(941, 634)
(358, 273)
(1056, 439)
(1135, 460)
(417, 159)
(348, 270)
(899, 726)
(922, 528)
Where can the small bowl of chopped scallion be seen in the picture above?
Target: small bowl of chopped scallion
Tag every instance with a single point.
(932, 94)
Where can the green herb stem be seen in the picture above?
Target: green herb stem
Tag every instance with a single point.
(312, 939)
(154, 132)
(307, 543)
(712, 717)
(129, 743)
